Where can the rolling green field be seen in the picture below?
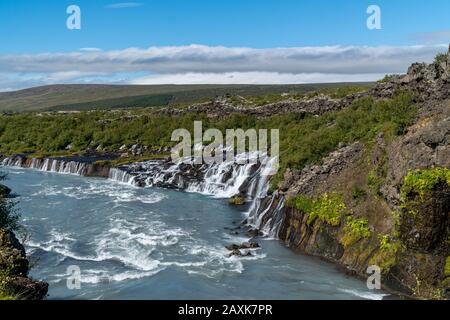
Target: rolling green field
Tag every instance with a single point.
(303, 139)
(88, 97)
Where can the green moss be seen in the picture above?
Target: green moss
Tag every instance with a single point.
(354, 230)
(447, 267)
(236, 201)
(5, 279)
(387, 254)
(422, 182)
(358, 193)
(374, 182)
(328, 208)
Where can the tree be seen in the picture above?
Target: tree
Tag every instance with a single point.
(9, 214)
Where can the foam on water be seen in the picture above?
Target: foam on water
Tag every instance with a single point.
(149, 243)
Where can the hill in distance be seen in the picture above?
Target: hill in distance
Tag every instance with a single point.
(72, 97)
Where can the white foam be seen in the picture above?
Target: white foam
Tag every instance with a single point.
(365, 295)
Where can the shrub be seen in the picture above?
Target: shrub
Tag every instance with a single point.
(354, 230)
(422, 182)
(387, 78)
(374, 182)
(386, 256)
(328, 208)
(9, 214)
(358, 193)
(440, 57)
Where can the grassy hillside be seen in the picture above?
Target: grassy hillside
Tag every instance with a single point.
(86, 97)
(303, 140)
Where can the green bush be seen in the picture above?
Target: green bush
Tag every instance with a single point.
(422, 182)
(328, 208)
(440, 57)
(304, 139)
(387, 254)
(354, 230)
(9, 214)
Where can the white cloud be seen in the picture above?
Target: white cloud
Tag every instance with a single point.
(206, 64)
(253, 78)
(90, 49)
(438, 36)
(123, 5)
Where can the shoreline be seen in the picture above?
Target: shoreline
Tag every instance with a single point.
(26, 162)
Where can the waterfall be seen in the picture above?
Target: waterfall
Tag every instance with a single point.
(250, 179)
(121, 176)
(220, 180)
(48, 164)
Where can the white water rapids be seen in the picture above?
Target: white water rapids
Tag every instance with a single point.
(220, 180)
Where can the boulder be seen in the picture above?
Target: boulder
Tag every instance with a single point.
(28, 289)
(15, 266)
(12, 254)
(4, 191)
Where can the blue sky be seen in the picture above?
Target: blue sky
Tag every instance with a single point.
(34, 27)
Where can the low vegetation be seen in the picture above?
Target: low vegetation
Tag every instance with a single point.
(422, 182)
(328, 208)
(354, 230)
(386, 256)
(303, 139)
(440, 57)
(236, 201)
(9, 214)
(9, 220)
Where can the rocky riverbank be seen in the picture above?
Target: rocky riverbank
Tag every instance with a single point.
(14, 267)
(385, 202)
(394, 196)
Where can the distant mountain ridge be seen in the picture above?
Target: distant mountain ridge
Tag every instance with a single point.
(95, 96)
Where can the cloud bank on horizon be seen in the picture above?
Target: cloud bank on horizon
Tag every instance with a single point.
(201, 64)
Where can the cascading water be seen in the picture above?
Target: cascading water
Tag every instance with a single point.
(51, 165)
(249, 179)
(222, 180)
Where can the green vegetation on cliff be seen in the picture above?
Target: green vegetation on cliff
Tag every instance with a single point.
(328, 208)
(355, 229)
(9, 214)
(422, 182)
(386, 256)
(303, 139)
(9, 221)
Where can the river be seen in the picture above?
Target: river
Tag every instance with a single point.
(151, 243)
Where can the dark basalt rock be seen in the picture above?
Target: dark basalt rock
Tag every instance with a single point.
(238, 253)
(244, 245)
(252, 233)
(427, 229)
(5, 192)
(28, 289)
(12, 254)
(13, 260)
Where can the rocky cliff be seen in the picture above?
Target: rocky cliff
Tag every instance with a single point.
(384, 204)
(14, 268)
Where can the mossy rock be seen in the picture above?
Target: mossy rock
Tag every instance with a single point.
(424, 221)
(4, 191)
(236, 201)
(13, 260)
